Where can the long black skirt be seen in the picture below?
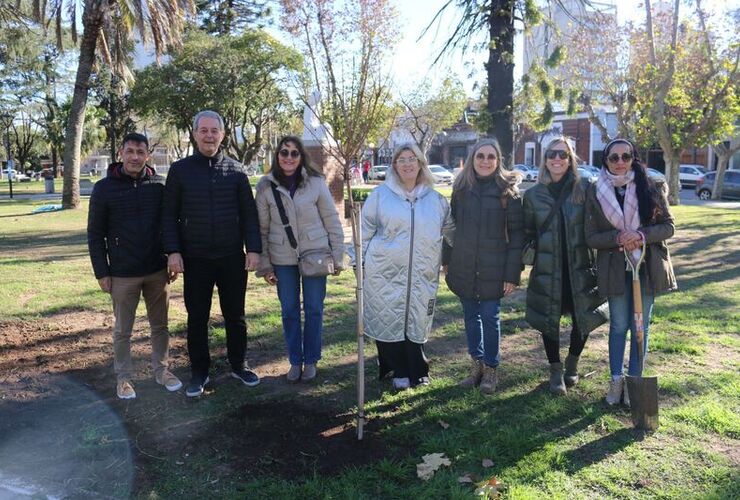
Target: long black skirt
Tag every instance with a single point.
(404, 359)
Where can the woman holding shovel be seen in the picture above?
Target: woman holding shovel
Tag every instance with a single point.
(627, 215)
(562, 280)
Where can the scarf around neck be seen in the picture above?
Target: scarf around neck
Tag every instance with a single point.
(622, 219)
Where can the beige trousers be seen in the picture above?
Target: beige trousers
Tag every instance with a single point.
(125, 294)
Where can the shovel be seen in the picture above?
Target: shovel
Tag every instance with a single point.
(643, 391)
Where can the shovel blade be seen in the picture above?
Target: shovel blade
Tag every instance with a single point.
(643, 392)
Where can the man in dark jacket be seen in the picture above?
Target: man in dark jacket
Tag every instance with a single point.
(209, 217)
(125, 242)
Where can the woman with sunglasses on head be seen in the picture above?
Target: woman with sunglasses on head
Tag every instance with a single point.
(562, 280)
(625, 212)
(403, 221)
(485, 261)
(314, 225)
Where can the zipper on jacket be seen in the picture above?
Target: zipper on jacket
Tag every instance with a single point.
(408, 280)
(210, 194)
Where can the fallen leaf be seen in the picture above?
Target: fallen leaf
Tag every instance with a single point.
(490, 489)
(465, 479)
(444, 424)
(430, 464)
(487, 462)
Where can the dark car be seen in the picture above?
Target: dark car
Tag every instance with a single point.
(730, 190)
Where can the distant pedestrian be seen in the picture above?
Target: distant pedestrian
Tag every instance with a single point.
(626, 209)
(125, 241)
(209, 218)
(365, 170)
(562, 280)
(485, 261)
(403, 222)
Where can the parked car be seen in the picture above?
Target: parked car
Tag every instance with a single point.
(591, 168)
(377, 172)
(730, 190)
(689, 174)
(587, 173)
(441, 175)
(655, 175)
(15, 175)
(529, 173)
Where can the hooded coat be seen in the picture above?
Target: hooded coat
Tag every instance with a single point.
(402, 250)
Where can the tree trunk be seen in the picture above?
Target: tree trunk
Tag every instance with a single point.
(92, 20)
(719, 178)
(672, 160)
(500, 68)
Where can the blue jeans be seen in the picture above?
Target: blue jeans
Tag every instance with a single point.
(483, 329)
(305, 348)
(621, 313)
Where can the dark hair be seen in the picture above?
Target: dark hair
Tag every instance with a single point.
(648, 195)
(135, 137)
(278, 173)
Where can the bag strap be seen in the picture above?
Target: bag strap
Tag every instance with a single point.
(555, 208)
(283, 216)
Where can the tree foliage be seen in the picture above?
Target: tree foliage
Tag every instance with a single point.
(241, 77)
(428, 110)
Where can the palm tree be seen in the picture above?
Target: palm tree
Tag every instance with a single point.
(160, 22)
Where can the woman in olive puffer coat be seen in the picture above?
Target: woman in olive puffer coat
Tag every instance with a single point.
(563, 277)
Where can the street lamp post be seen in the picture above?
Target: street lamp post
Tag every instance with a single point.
(7, 120)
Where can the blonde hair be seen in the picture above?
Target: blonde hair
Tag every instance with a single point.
(424, 176)
(507, 180)
(544, 177)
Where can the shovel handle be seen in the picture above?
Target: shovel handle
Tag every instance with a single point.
(639, 327)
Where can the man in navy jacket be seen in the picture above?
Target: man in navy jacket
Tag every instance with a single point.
(125, 242)
(209, 217)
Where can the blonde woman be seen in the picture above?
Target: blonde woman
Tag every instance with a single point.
(484, 263)
(403, 221)
(562, 280)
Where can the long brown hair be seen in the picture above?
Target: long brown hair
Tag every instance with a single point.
(507, 180)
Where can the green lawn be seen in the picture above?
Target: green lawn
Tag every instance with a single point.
(539, 446)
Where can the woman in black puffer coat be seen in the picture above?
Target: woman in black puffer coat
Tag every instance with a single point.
(563, 277)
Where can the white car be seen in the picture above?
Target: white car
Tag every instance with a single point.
(688, 175)
(15, 176)
(377, 172)
(441, 175)
(586, 173)
(529, 173)
(655, 175)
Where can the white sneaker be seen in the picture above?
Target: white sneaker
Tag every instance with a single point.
(615, 390)
(401, 384)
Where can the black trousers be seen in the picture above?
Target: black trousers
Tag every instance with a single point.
(230, 277)
(577, 342)
(404, 359)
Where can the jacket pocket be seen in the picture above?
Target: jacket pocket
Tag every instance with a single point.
(316, 233)
(275, 239)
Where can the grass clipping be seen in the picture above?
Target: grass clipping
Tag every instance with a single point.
(430, 464)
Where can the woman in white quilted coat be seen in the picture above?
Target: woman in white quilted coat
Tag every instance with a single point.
(403, 221)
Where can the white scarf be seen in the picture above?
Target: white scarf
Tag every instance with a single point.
(627, 219)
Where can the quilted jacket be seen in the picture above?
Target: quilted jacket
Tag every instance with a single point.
(209, 210)
(544, 300)
(313, 219)
(402, 249)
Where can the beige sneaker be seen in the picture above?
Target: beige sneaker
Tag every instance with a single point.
(294, 374)
(168, 380)
(125, 390)
(615, 391)
(309, 373)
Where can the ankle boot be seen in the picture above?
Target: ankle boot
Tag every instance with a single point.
(557, 385)
(615, 391)
(489, 381)
(571, 370)
(476, 373)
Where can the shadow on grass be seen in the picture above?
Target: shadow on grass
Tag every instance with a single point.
(26, 242)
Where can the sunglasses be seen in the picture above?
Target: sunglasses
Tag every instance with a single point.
(559, 153)
(490, 157)
(614, 157)
(293, 153)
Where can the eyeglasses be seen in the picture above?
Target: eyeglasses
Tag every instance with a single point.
(407, 161)
(490, 157)
(614, 157)
(293, 153)
(559, 153)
